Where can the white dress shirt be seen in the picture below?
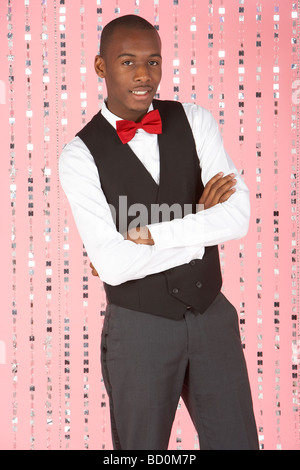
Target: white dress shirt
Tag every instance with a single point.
(118, 260)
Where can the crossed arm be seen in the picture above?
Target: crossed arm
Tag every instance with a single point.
(217, 190)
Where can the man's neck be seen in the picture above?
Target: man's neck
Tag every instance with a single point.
(135, 116)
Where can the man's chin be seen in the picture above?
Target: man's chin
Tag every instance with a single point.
(141, 110)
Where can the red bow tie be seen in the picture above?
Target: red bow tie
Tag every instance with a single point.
(150, 123)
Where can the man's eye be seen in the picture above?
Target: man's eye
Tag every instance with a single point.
(153, 62)
(127, 62)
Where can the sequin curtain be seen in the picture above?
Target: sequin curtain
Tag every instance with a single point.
(240, 60)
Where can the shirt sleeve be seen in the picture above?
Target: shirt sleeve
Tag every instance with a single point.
(116, 260)
(224, 221)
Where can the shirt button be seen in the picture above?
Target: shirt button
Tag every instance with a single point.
(199, 284)
(175, 290)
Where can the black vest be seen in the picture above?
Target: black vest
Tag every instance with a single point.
(169, 293)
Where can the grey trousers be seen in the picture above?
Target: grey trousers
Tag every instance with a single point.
(148, 362)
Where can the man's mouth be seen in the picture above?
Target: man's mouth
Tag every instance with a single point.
(140, 93)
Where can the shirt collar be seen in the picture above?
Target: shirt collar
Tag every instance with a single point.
(112, 118)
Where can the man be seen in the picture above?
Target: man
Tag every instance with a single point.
(135, 177)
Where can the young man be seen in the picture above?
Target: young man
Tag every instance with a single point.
(134, 177)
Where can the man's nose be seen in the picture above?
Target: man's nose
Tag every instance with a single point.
(142, 73)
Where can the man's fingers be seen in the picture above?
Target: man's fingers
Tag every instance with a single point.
(211, 182)
(227, 195)
(222, 181)
(208, 187)
(221, 192)
(94, 272)
(224, 186)
(217, 181)
(216, 190)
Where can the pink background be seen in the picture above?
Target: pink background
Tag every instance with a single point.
(45, 403)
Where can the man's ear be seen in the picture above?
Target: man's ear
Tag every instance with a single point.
(99, 65)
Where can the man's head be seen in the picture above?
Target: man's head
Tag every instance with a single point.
(130, 62)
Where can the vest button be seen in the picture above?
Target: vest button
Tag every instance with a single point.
(193, 262)
(175, 290)
(199, 284)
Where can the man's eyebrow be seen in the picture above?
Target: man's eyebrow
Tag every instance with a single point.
(128, 54)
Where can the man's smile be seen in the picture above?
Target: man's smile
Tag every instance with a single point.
(140, 92)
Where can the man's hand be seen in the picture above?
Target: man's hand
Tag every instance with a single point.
(218, 189)
(140, 235)
(94, 272)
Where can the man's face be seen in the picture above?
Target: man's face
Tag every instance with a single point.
(132, 69)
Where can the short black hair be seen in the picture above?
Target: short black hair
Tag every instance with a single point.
(128, 21)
